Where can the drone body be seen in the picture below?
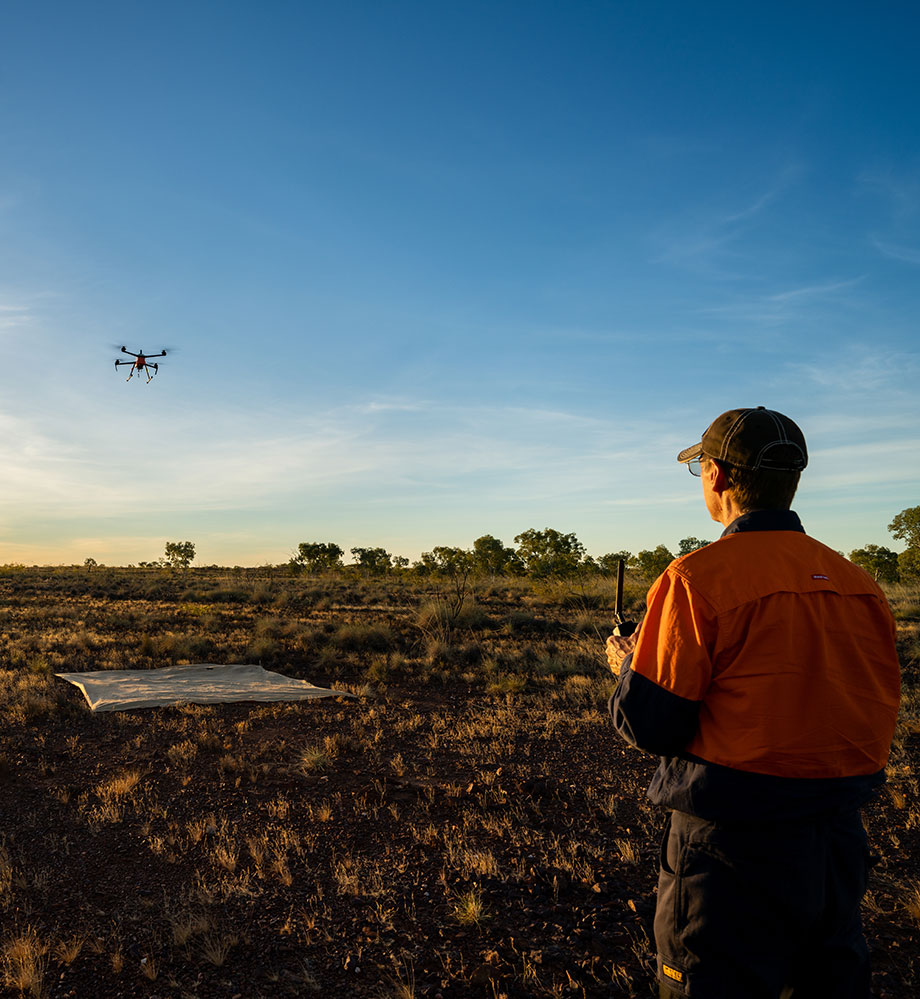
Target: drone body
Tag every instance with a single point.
(140, 364)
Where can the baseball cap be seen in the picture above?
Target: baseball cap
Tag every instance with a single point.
(752, 439)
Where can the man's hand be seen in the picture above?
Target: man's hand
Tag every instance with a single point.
(618, 649)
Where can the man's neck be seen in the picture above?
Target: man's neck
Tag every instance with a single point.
(729, 510)
(765, 520)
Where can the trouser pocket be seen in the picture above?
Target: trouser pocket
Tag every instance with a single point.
(744, 910)
(672, 972)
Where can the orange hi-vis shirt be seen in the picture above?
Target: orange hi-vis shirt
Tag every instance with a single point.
(788, 648)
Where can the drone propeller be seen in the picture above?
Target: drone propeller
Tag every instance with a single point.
(122, 348)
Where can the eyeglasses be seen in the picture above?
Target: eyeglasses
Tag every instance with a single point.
(695, 466)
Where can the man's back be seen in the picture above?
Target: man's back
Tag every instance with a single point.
(794, 659)
(765, 674)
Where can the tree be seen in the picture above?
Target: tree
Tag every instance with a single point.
(426, 565)
(909, 565)
(319, 556)
(881, 563)
(549, 553)
(652, 564)
(375, 561)
(906, 527)
(450, 561)
(180, 554)
(687, 545)
(491, 558)
(608, 562)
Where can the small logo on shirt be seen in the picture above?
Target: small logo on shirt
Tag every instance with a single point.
(672, 973)
(818, 575)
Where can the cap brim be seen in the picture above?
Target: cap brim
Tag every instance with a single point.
(689, 453)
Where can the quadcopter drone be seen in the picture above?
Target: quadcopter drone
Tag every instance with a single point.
(140, 363)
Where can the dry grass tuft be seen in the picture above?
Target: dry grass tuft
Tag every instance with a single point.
(362, 638)
(187, 924)
(119, 787)
(314, 760)
(216, 947)
(67, 951)
(912, 901)
(403, 984)
(628, 851)
(150, 968)
(25, 962)
(468, 908)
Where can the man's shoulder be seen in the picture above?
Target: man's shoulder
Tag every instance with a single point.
(748, 565)
(766, 545)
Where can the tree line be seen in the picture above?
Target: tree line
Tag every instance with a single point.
(888, 566)
(549, 553)
(552, 553)
(538, 554)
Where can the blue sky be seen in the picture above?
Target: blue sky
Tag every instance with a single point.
(433, 271)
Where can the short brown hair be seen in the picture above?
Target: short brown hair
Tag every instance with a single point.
(764, 489)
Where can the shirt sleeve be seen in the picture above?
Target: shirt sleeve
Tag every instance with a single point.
(677, 634)
(657, 701)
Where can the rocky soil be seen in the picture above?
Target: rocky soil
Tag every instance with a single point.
(466, 826)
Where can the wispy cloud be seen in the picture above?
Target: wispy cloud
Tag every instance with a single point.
(780, 307)
(14, 315)
(892, 464)
(708, 242)
(395, 406)
(862, 420)
(245, 462)
(900, 190)
(379, 466)
(895, 251)
(755, 208)
(856, 371)
(813, 290)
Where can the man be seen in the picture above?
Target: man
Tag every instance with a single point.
(765, 675)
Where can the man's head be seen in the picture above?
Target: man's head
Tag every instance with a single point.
(750, 459)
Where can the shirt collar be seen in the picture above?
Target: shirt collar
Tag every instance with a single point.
(765, 520)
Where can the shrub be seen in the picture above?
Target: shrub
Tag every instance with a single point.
(442, 617)
(506, 683)
(362, 638)
(263, 648)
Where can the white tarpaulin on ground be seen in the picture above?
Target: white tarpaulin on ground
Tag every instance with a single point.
(197, 683)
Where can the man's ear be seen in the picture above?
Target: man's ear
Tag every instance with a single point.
(718, 481)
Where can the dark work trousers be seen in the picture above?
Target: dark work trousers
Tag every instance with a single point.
(762, 911)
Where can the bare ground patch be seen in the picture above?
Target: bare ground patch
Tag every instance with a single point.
(469, 826)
